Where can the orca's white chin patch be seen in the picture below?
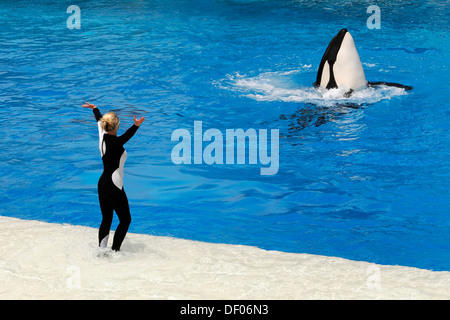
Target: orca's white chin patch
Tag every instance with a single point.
(348, 70)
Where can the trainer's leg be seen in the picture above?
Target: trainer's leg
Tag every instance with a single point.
(107, 217)
(123, 212)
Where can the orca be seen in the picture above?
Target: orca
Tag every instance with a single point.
(341, 67)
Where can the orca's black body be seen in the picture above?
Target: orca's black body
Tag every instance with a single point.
(389, 84)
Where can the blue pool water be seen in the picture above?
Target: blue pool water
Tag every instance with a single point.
(364, 179)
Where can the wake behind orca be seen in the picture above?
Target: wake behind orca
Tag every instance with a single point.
(341, 67)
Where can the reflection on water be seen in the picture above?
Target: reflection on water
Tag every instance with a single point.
(312, 115)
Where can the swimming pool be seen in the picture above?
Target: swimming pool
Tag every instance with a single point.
(363, 179)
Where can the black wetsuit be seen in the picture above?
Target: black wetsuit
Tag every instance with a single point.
(111, 194)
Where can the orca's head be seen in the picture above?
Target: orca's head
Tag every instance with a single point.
(340, 65)
(342, 33)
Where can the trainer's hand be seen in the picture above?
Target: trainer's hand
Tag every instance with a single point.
(89, 105)
(138, 122)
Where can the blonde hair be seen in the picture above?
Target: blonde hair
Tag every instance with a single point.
(110, 121)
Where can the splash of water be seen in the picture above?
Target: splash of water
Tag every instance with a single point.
(281, 86)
